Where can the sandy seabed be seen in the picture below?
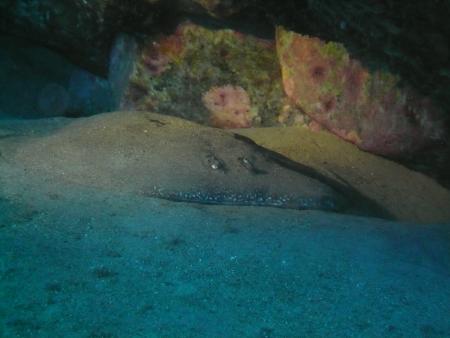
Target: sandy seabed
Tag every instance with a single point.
(77, 261)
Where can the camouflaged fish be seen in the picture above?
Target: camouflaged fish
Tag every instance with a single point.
(166, 157)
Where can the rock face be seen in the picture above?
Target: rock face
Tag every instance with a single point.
(381, 33)
(187, 73)
(83, 31)
(76, 28)
(366, 108)
(36, 82)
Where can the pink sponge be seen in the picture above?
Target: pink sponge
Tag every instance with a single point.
(229, 106)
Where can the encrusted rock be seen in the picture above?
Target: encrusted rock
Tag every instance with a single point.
(83, 31)
(179, 74)
(366, 108)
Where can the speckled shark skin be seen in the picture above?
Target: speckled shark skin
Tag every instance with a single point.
(165, 157)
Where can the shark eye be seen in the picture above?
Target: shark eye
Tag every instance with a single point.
(247, 164)
(214, 163)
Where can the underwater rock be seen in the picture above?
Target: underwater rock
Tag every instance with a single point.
(53, 99)
(174, 73)
(83, 31)
(76, 28)
(220, 8)
(368, 109)
(123, 55)
(159, 156)
(36, 82)
(381, 33)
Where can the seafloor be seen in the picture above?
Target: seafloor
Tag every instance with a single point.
(79, 261)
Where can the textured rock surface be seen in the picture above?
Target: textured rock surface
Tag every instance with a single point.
(76, 28)
(175, 72)
(408, 39)
(368, 109)
(37, 82)
(383, 34)
(84, 31)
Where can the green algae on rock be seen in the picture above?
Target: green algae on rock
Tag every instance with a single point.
(174, 72)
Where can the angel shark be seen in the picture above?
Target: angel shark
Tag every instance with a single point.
(166, 157)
